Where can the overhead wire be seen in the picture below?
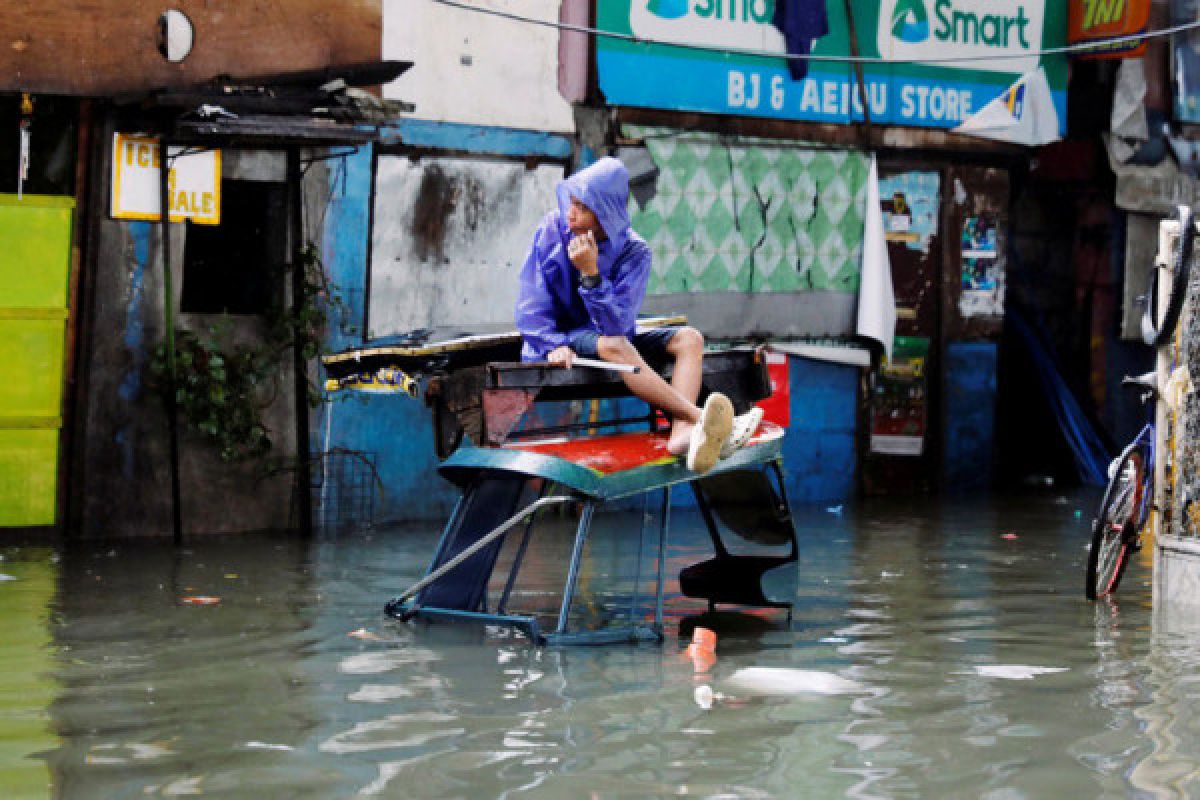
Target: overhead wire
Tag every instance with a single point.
(1095, 45)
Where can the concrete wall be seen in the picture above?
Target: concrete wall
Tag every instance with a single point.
(478, 69)
(123, 485)
(394, 431)
(1176, 588)
(449, 239)
(1179, 417)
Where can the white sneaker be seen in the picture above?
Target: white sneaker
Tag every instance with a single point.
(744, 428)
(710, 433)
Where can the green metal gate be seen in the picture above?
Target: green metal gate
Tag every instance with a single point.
(35, 262)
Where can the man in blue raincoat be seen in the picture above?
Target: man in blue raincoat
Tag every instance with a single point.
(582, 286)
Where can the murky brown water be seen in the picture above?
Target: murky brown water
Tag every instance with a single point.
(111, 688)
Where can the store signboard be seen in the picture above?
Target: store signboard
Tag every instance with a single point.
(1089, 20)
(193, 182)
(915, 89)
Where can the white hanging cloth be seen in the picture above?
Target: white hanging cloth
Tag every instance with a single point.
(876, 296)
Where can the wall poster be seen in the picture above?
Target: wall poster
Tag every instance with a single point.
(899, 411)
(910, 208)
(982, 269)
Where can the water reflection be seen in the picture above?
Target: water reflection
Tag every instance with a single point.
(159, 697)
(1167, 677)
(983, 672)
(27, 579)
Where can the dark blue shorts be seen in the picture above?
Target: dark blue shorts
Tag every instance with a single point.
(650, 342)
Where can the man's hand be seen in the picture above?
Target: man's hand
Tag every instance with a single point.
(562, 355)
(583, 252)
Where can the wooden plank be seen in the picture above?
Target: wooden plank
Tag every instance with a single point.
(881, 136)
(109, 46)
(462, 343)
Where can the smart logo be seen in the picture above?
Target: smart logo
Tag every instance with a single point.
(668, 9)
(742, 24)
(910, 23)
(931, 29)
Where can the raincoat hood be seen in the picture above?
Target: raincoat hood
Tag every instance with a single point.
(604, 188)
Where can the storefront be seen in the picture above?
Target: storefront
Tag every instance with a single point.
(754, 201)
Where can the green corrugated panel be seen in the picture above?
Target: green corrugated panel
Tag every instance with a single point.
(35, 262)
(28, 477)
(36, 256)
(32, 354)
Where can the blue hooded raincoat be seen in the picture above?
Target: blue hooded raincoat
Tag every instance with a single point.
(552, 304)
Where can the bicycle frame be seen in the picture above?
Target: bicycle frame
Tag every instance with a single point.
(1145, 438)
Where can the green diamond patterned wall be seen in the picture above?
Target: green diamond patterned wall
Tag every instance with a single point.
(752, 216)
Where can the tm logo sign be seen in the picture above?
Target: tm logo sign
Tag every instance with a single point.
(925, 30)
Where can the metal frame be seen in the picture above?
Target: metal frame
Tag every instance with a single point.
(404, 608)
(471, 466)
(722, 554)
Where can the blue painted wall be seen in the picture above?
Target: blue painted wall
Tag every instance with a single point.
(396, 430)
(821, 452)
(476, 139)
(970, 415)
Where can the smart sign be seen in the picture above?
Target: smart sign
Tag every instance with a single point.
(944, 61)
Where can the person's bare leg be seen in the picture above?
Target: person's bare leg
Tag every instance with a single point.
(687, 345)
(649, 385)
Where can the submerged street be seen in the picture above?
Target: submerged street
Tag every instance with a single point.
(983, 672)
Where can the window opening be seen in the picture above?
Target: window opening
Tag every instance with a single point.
(236, 267)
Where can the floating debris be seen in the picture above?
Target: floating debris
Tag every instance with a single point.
(1012, 672)
(366, 635)
(702, 650)
(705, 697)
(200, 600)
(783, 681)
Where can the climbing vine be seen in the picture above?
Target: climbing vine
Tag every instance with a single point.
(222, 388)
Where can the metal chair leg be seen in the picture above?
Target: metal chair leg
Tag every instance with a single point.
(662, 558)
(637, 572)
(520, 556)
(581, 533)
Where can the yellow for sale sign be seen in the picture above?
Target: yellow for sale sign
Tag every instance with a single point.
(193, 181)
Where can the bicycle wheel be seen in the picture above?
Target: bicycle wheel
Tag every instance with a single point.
(1159, 333)
(1115, 529)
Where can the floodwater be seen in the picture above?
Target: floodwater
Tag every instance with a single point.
(980, 672)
